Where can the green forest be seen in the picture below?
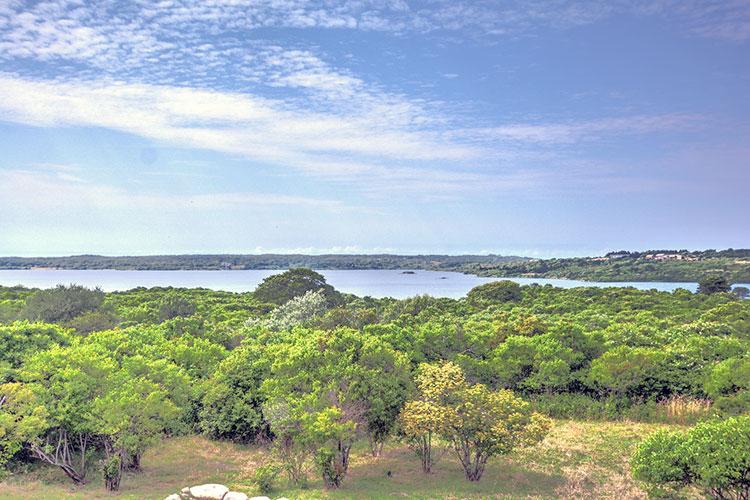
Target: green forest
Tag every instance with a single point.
(320, 388)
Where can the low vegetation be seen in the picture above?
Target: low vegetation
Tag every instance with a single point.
(318, 392)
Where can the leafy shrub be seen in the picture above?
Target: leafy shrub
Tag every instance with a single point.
(713, 456)
(496, 291)
(62, 303)
(265, 477)
(175, 306)
(297, 311)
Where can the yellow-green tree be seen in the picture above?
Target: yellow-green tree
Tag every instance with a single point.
(478, 423)
(424, 418)
(483, 424)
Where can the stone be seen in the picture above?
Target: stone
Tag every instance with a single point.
(260, 498)
(209, 492)
(233, 495)
(173, 497)
(282, 498)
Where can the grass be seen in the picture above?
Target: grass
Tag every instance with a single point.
(586, 460)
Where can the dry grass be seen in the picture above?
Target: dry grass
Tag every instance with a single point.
(593, 457)
(683, 410)
(586, 460)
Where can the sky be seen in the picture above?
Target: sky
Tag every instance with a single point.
(546, 128)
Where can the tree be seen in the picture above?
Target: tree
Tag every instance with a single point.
(383, 385)
(327, 383)
(712, 456)
(477, 422)
(714, 284)
(333, 433)
(133, 413)
(624, 368)
(496, 291)
(742, 292)
(20, 419)
(62, 303)
(728, 385)
(290, 443)
(424, 418)
(65, 383)
(23, 339)
(175, 306)
(232, 404)
(281, 288)
(296, 311)
(484, 424)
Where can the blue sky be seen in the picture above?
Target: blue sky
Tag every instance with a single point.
(541, 128)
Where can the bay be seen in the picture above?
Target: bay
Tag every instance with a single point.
(375, 283)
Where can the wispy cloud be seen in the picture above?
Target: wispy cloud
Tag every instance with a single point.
(379, 148)
(205, 42)
(62, 191)
(592, 130)
(256, 127)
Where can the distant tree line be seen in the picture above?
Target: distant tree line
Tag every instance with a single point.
(267, 261)
(622, 265)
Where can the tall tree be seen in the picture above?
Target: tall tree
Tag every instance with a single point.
(281, 288)
(714, 284)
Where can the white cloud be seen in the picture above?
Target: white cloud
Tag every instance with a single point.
(586, 131)
(255, 127)
(67, 192)
(377, 147)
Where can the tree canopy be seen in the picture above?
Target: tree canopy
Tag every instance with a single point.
(281, 288)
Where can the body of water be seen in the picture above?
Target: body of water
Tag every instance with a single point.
(375, 283)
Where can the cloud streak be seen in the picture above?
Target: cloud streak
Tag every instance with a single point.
(379, 148)
(62, 191)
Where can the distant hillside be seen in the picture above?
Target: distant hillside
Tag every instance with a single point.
(652, 265)
(268, 261)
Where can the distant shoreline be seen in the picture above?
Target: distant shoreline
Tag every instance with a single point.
(676, 266)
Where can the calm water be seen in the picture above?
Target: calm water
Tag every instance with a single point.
(375, 283)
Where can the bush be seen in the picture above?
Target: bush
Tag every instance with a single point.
(175, 306)
(62, 303)
(265, 476)
(496, 291)
(713, 456)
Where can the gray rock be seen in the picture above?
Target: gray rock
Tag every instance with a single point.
(209, 492)
(260, 498)
(233, 495)
(173, 497)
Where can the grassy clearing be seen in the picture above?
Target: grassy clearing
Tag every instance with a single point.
(587, 460)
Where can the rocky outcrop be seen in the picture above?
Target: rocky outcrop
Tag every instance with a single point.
(212, 492)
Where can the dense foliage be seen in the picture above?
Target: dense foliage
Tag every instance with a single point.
(713, 456)
(313, 377)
